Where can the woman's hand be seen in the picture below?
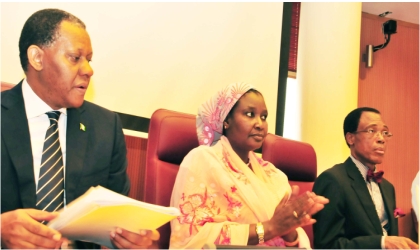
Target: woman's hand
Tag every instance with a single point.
(124, 239)
(294, 212)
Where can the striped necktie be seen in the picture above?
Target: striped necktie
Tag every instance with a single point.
(50, 193)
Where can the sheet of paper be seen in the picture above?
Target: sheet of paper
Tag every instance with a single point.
(92, 216)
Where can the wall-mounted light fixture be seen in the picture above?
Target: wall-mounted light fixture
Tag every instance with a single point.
(388, 28)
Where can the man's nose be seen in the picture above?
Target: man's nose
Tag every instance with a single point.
(86, 69)
(380, 137)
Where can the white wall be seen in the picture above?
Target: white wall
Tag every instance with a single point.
(165, 55)
(292, 111)
(327, 75)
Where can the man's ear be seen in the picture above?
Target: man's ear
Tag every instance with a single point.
(350, 138)
(35, 57)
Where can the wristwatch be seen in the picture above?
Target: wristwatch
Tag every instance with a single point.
(260, 232)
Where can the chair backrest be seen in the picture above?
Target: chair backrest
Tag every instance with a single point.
(171, 136)
(296, 159)
(6, 86)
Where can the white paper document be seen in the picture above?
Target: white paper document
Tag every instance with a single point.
(95, 214)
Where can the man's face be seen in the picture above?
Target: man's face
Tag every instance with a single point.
(66, 71)
(369, 148)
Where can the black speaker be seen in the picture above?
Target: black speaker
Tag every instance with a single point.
(390, 27)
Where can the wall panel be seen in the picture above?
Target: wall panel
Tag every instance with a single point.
(164, 55)
(392, 87)
(136, 156)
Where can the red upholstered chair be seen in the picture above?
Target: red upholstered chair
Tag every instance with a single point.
(296, 159)
(6, 86)
(171, 136)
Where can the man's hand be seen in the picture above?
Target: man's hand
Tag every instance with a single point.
(398, 242)
(21, 228)
(124, 239)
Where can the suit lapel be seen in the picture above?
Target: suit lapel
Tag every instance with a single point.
(15, 131)
(389, 202)
(77, 141)
(360, 188)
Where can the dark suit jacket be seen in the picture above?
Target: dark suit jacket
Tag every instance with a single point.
(94, 157)
(350, 220)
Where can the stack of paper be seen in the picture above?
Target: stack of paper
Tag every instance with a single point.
(95, 214)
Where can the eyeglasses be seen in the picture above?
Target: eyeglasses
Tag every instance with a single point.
(371, 132)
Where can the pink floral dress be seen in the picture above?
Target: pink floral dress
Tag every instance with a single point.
(219, 196)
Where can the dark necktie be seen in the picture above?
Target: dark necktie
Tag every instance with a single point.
(50, 193)
(376, 176)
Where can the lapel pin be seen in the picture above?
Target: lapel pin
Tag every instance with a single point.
(82, 127)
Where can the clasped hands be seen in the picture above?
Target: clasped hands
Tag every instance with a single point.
(21, 228)
(399, 242)
(295, 212)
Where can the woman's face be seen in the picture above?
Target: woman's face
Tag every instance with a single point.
(246, 127)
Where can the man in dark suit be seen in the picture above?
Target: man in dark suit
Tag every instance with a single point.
(55, 52)
(360, 213)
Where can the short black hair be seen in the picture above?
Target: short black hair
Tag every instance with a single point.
(351, 122)
(41, 29)
(236, 104)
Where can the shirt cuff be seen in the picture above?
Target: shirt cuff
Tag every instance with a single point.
(383, 242)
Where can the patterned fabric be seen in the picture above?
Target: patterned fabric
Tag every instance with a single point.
(219, 196)
(50, 193)
(374, 176)
(379, 206)
(213, 112)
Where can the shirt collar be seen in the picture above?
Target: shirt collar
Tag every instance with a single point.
(34, 105)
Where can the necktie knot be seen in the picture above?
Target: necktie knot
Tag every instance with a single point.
(53, 115)
(375, 176)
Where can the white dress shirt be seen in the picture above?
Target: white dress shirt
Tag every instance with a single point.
(415, 195)
(39, 122)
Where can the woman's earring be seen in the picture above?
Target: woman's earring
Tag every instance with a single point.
(225, 127)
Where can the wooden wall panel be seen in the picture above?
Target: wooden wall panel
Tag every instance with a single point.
(136, 155)
(392, 87)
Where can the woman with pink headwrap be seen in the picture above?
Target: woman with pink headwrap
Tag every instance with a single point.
(228, 195)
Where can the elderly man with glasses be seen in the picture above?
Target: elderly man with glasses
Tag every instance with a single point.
(360, 214)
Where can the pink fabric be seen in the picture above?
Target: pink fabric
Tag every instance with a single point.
(219, 196)
(213, 112)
